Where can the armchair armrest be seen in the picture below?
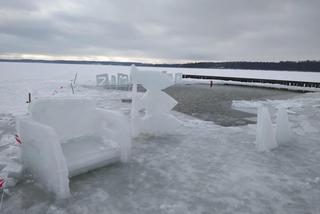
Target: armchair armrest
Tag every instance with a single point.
(42, 154)
(115, 127)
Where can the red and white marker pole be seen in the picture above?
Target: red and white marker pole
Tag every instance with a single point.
(18, 139)
(2, 183)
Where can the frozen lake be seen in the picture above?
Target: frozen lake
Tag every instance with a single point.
(202, 168)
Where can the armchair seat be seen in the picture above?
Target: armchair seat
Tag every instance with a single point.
(93, 152)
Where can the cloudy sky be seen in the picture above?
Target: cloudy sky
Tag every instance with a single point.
(161, 30)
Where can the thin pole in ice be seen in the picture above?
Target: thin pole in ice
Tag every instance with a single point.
(29, 98)
(72, 88)
(134, 102)
(283, 130)
(75, 79)
(265, 136)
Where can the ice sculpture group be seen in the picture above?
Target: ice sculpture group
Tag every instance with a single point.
(64, 137)
(266, 137)
(121, 79)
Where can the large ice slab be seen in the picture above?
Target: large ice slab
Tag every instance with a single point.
(283, 130)
(265, 136)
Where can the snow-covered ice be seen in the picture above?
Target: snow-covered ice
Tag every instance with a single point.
(201, 168)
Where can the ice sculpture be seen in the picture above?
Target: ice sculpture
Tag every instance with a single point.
(283, 131)
(123, 79)
(64, 137)
(102, 79)
(113, 80)
(178, 78)
(169, 74)
(151, 113)
(265, 138)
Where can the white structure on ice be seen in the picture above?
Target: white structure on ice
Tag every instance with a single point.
(123, 79)
(178, 78)
(113, 80)
(151, 113)
(63, 137)
(102, 79)
(265, 136)
(283, 130)
(117, 81)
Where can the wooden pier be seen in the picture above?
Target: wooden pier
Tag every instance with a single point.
(254, 80)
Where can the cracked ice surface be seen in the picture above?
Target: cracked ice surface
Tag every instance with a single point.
(203, 168)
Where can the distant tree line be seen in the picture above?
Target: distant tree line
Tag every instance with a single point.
(308, 65)
(280, 66)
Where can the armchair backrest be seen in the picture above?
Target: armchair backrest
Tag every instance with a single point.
(69, 117)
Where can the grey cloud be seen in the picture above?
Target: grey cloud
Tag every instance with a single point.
(163, 29)
(18, 5)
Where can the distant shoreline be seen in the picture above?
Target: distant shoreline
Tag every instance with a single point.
(304, 66)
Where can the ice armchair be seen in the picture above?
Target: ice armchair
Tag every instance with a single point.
(64, 137)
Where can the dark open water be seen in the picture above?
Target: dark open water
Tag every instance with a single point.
(214, 104)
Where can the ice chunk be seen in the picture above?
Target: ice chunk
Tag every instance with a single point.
(151, 80)
(265, 136)
(283, 131)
